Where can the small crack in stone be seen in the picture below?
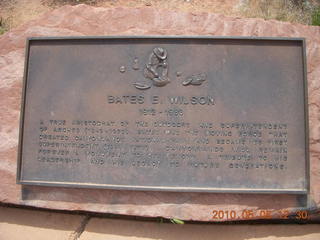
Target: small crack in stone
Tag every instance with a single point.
(75, 235)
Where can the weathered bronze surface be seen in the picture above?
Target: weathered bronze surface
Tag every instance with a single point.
(178, 114)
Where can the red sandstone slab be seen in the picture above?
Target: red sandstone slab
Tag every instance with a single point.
(85, 20)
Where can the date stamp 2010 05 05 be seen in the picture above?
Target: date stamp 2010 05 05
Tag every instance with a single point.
(250, 214)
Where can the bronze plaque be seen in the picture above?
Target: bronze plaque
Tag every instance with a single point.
(165, 113)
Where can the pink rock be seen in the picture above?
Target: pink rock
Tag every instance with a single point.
(86, 20)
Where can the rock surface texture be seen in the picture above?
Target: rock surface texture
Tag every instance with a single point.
(82, 20)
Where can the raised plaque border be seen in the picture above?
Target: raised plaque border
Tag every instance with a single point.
(155, 188)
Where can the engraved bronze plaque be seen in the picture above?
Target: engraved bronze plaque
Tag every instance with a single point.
(165, 113)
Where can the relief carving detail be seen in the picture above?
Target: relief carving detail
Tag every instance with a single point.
(156, 70)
